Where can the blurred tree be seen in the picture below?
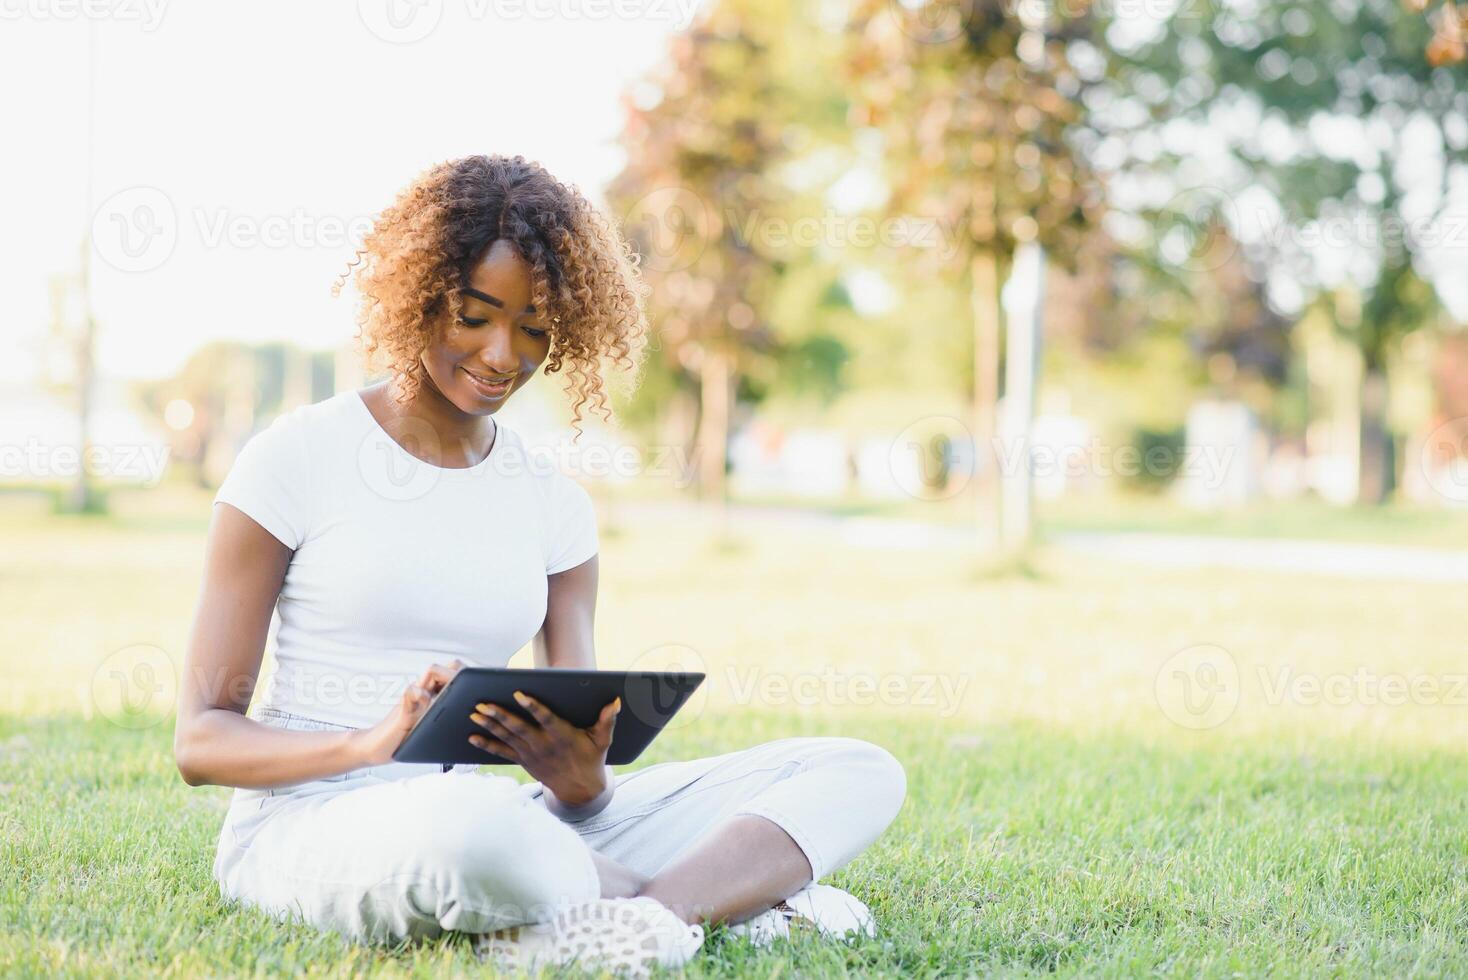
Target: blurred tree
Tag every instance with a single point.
(1308, 127)
(232, 390)
(977, 100)
(71, 351)
(700, 143)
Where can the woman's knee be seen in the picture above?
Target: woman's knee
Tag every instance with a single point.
(873, 775)
(881, 776)
(499, 859)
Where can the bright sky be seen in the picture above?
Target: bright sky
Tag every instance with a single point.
(236, 145)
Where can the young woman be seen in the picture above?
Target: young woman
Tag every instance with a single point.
(400, 532)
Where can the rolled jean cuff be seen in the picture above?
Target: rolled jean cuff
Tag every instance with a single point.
(804, 841)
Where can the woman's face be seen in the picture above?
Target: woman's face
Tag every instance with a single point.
(494, 349)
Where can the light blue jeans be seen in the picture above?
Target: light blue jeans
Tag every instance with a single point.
(406, 851)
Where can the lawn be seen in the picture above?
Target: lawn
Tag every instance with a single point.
(1069, 810)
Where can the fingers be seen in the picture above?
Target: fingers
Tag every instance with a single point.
(415, 699)
(545, 716)
(606, 723)
(500, 723)
(498, 747)
(436, 677)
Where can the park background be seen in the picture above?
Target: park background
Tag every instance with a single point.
(1072, 397)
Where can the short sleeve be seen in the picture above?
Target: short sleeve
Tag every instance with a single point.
(269, 482)
(572, 526)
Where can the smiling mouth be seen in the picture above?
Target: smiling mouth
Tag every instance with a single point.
(490, 387)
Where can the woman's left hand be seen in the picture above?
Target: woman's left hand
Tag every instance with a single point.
(569, 761)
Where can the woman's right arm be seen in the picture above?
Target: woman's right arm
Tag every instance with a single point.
(213, 742)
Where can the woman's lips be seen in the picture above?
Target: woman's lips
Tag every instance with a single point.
(487, 388)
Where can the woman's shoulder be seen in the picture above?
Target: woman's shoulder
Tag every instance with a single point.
(329, 416)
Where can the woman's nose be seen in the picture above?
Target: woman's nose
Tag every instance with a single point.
(498, 352)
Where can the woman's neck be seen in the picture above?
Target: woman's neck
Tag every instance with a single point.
(434, 429)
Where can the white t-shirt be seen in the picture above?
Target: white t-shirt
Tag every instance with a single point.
(399, 564)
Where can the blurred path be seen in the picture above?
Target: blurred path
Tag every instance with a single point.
(1345, 559)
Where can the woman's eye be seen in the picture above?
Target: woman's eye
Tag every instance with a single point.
(471, 321)
(534, 332)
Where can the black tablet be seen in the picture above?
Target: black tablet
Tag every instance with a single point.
(649, 701)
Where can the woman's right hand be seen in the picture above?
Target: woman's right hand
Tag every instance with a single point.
(378, 743)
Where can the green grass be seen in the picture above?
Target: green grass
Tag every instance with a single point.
(1057, 820)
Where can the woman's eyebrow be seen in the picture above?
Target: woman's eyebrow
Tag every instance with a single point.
(470, 290)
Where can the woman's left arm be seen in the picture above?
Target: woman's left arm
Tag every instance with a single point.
(566, 638)
(570, 762)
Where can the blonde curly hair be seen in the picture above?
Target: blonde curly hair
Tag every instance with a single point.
(584, 275)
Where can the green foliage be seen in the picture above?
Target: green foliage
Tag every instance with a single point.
(1322, 108)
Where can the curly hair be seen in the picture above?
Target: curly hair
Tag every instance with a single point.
(416, 258)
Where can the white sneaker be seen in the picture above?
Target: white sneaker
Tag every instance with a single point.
(831, 912)
(621, 935)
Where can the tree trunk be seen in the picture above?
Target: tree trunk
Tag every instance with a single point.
(1378, 455)
(1022, 375)
(713, 424)
(984, 301)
